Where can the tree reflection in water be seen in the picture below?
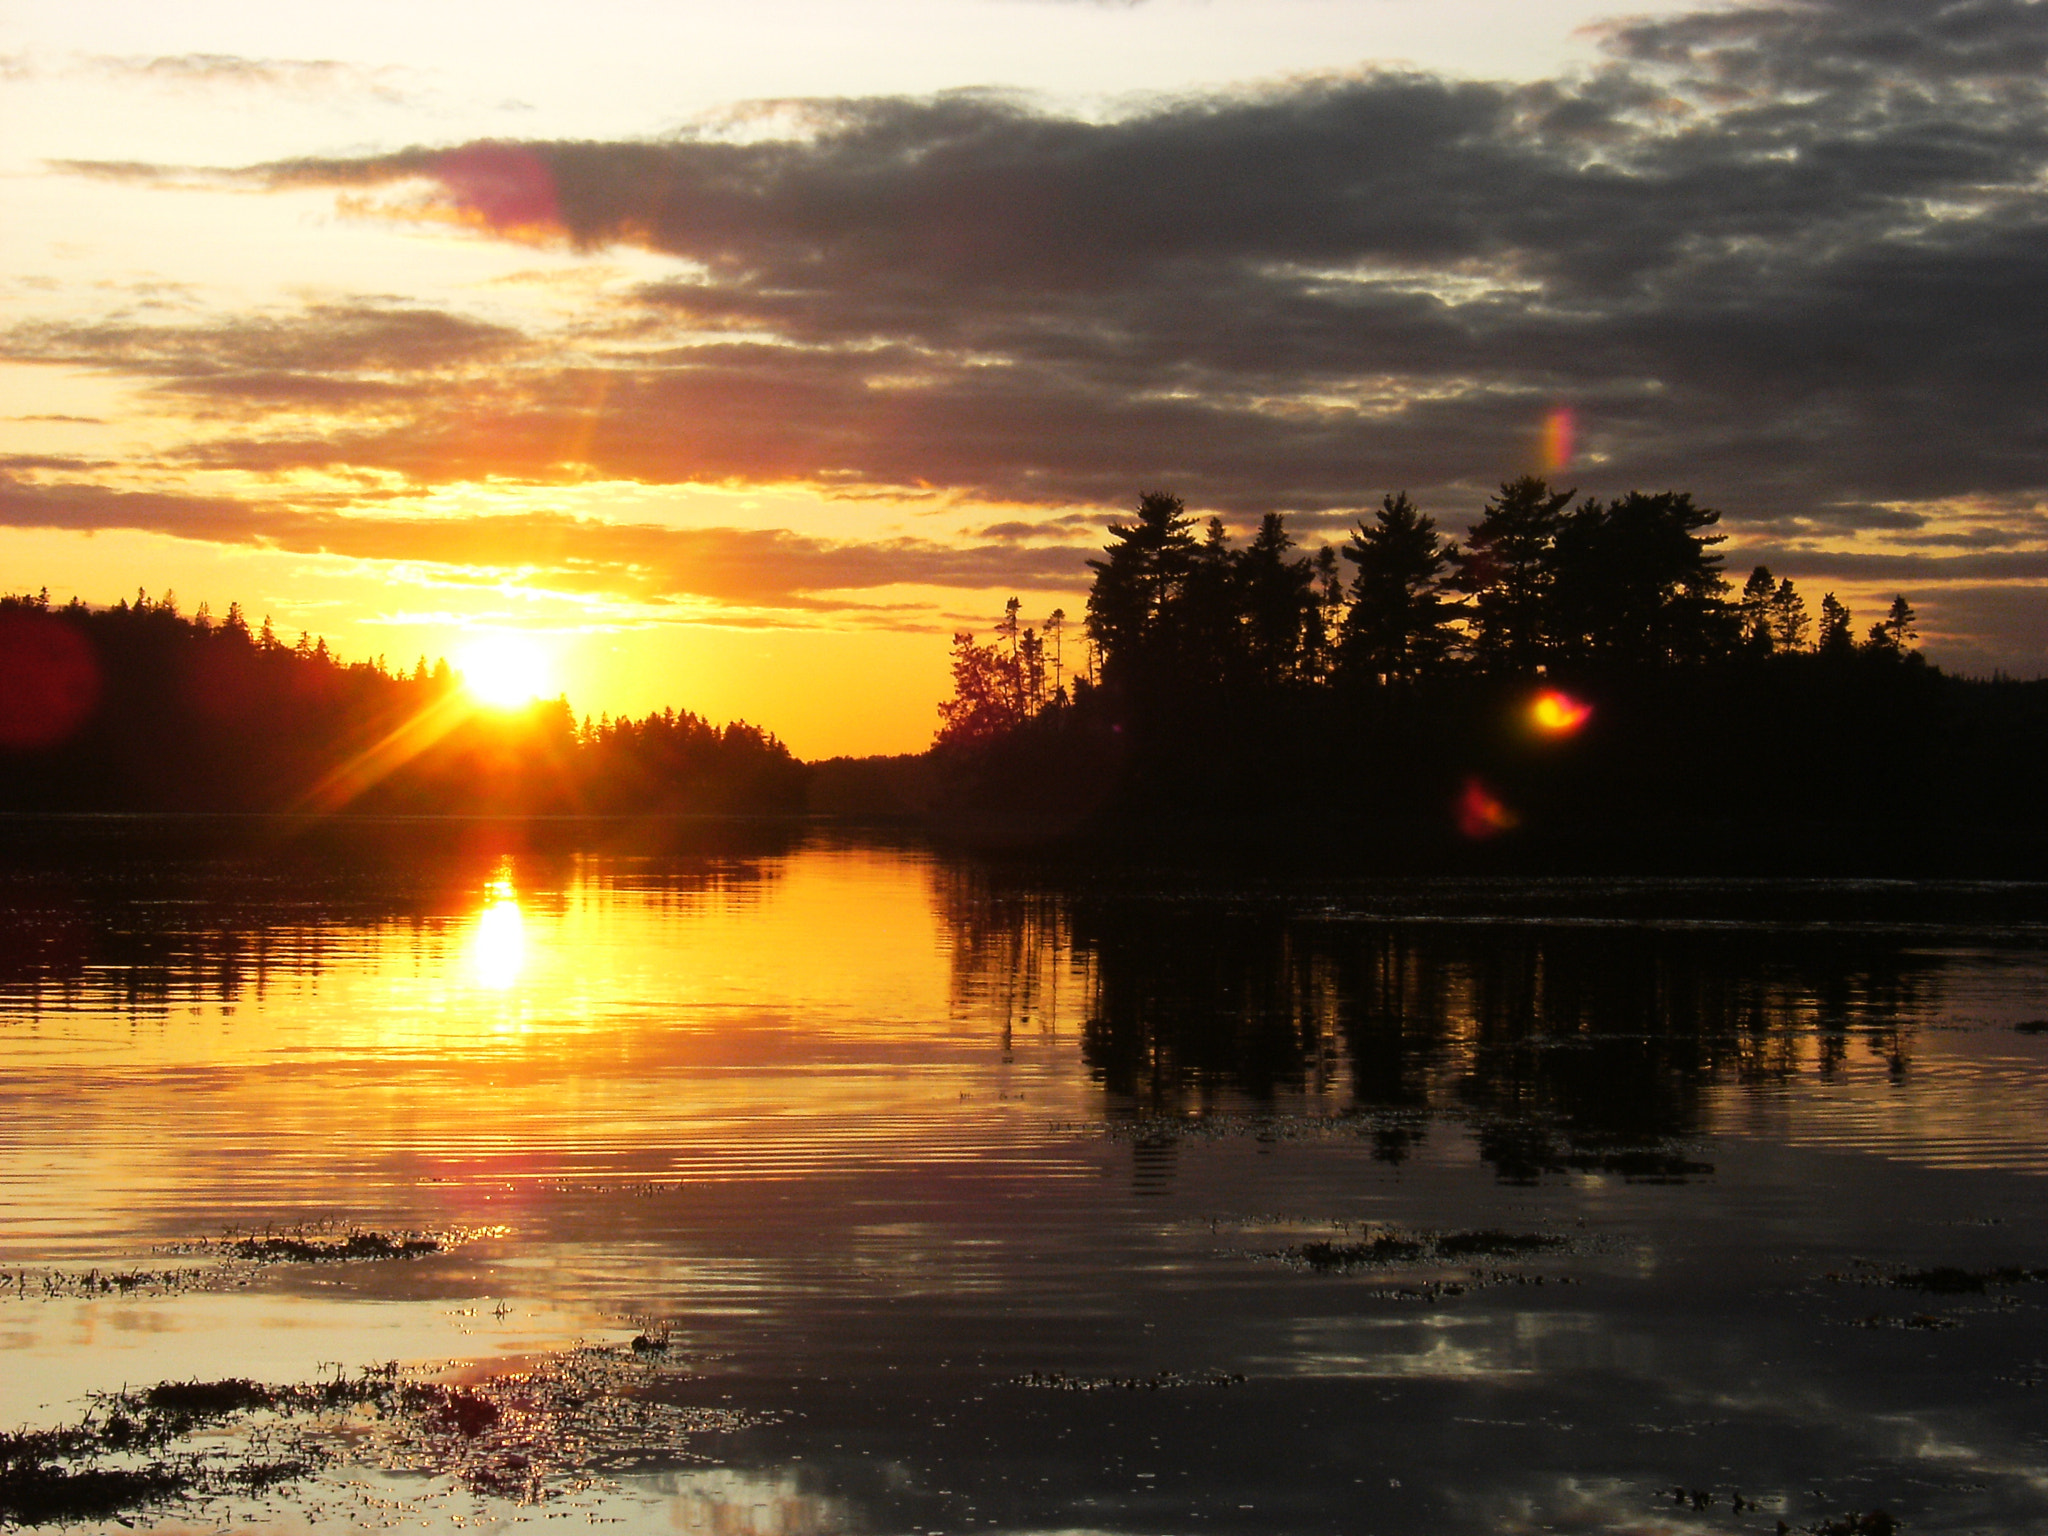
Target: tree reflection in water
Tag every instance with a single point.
(1568, 1034)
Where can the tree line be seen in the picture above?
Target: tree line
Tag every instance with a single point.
(1538, 583)
(141, 707)
(1391, 678)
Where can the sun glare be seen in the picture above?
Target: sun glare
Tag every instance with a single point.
(497, 943)
(504, 670)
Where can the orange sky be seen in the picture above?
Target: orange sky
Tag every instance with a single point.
(737, 362)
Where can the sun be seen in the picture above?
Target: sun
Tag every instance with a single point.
(504, 670)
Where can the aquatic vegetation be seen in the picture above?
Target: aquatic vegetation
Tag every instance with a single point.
(357, 1245)
(228, 1256)
(1874, 1523)
(1383, 1249)
(1158, 1381)
(1947, 1280)
(518, 1435)
(1389, 1248)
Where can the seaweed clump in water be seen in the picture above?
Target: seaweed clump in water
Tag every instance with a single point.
(357, 1245)
(38, 1487)
(1872, 1523)
(60, 1476)
(1388, 1248)
(1948, 1280)
(520, 1435)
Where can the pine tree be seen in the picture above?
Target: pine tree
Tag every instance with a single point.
(1509, 566)
(1399, 623)
(1787, 613)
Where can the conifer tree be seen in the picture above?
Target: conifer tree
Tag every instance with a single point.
(1399, 624)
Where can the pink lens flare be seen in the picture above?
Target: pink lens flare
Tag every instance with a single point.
(508, 189)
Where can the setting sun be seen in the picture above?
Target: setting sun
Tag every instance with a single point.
(504, 670)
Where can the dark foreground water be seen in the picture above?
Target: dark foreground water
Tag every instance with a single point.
(943, 1198)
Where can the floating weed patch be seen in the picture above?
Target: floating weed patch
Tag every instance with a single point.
(55, 1284)
(39, 1493)
(1873, 1523)
(356, 1246)
(1947, 1280)
(1429, 1292)
(1941, 1279)
(1495, 1244)
(1387, 1249)
(1384, 1249)
(1158, 1381)
(521, 1435)
(222, 1263)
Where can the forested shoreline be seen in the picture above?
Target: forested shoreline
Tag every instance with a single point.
(1572, 679)
(141, 708)
(1572, 684)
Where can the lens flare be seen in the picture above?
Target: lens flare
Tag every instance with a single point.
(1558, 714)
(1480, 812)
(49, 680)
(507, 189)
(1559, 428)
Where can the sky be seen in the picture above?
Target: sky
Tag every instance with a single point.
(737, 357)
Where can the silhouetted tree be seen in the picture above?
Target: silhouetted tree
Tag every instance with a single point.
(1399, 626)
(1898, 625)
(1279, 603)
(1787, 617)
(1509, 566)
(1754, 612)
(1147, 562)
(988, 695)
(1199, 636)
(1638, 580)
(1836, 637)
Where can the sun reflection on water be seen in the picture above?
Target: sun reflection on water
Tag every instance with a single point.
(497, 944)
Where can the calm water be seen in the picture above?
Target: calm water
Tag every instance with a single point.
(982, 1199)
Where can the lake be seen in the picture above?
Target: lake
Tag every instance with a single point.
(788, 1182)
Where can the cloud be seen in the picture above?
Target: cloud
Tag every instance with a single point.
(217, 70)
(1792, 256)
(1301, 295)
(734, 566)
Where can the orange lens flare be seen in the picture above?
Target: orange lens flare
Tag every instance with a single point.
(1558, 714)
(1559, 428)
(1480, 812)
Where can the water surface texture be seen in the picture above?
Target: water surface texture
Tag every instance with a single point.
(948, 1197)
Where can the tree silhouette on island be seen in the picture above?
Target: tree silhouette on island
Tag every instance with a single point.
(1576, 674)
(1574, 683)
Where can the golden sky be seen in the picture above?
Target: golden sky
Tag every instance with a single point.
(738, 359)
